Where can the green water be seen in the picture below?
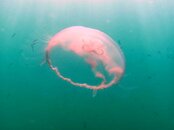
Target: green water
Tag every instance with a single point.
(32, 97)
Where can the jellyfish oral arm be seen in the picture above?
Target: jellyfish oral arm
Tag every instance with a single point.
(101, 86)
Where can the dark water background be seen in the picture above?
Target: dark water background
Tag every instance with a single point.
(33, 98)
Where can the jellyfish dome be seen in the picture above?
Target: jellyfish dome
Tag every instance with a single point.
(95, 47)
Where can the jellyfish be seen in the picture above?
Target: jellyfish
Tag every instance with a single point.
(96, 48)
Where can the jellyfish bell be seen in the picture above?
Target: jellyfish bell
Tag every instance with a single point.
(95, 47)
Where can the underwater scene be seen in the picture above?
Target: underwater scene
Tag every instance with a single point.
(86, 65)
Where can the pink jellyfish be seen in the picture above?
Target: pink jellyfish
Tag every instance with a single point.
(95, 47)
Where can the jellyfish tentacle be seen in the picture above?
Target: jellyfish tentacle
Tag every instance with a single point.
(94, 93)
